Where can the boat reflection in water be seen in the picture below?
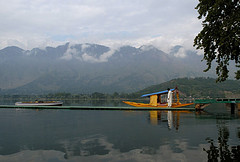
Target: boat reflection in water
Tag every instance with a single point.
(171, 118)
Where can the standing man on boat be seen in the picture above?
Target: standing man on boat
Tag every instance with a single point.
(169, 99)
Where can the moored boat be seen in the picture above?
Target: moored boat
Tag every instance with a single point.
(40, 103)
(171, 97)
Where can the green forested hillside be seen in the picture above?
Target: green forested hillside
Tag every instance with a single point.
(188, 87)
(198, 88)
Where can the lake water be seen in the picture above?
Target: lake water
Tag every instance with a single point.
(94, 135)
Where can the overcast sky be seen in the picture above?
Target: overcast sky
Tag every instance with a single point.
(39, 23)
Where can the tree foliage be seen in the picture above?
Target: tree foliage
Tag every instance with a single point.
(220, 36)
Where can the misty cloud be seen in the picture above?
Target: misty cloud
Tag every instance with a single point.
(181, 53)
(85, 46)
(82, 55)
(70, 54)
(102, 58)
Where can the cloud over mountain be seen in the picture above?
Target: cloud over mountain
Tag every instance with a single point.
(30, 24)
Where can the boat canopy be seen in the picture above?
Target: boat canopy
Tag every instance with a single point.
(157, 93)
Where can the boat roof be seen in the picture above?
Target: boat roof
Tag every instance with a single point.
(156, 93)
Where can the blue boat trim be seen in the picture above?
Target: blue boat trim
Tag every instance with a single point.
(156, 93)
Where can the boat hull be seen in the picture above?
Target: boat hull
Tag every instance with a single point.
(57, 103)
(135, 104)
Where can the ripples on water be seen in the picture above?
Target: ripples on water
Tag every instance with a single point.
(90, 135)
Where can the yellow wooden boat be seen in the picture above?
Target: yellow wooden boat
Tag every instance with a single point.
(164, 99)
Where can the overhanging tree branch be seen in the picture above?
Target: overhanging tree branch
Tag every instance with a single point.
(220, 36)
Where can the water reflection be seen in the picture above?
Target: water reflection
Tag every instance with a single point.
(65, 135)
(163, 153)
(171, 118)
(93, 145)
(222, 151)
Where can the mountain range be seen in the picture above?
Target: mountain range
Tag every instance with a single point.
(87, 68)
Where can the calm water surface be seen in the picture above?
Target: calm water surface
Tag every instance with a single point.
(91, 135)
